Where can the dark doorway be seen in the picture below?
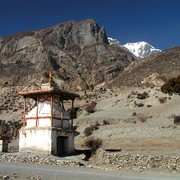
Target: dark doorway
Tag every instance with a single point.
(62, 145)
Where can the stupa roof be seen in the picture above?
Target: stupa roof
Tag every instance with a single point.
(65, 95)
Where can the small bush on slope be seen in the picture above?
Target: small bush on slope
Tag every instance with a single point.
(93, 143)
(172, 86)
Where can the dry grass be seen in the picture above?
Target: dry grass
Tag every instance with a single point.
(89, 130)
(93, 143)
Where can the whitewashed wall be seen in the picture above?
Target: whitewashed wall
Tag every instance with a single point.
(44, 140)
(32, 139)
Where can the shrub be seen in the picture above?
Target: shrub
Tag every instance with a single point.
(91, 87)
(172, 86)
(143, 95)
(94, 127)
(90, 107)
(138, 104)
(149, 105)
(87, 131)
(141, 118)
(176, 119)
(129, 96)
(93, 143)
(105, 122)
(97, 123)
(162, 99)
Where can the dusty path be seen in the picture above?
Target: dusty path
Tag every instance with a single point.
(20, 171)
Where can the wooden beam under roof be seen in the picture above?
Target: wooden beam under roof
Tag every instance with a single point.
(65, 95)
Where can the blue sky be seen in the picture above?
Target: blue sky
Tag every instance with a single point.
(154, 21)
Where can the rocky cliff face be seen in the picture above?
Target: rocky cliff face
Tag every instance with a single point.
(78, 52)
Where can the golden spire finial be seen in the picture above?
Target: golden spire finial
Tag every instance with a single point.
(50, 76)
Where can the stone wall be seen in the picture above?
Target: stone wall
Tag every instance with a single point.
(39, 160)
(136, 161)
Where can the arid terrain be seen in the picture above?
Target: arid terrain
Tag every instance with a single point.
(120, 102)
(136, 126)
(132, 120)
(133, 124)
(126, 120)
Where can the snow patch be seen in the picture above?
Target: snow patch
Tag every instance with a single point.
(141, 49)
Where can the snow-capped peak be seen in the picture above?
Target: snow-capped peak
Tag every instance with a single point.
(113, 42)
(141, 49)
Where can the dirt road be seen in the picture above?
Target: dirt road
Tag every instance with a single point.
(21, 171)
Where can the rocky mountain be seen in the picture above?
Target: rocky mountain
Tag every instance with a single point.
(81, 58)
(79, 53)
(141, 49)
(151, 71)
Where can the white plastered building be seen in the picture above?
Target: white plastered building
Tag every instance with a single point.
(47, 127)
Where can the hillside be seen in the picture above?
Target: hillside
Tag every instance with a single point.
(137, 121)
(151, 71)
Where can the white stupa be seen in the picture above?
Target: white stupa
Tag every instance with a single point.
(47, 127)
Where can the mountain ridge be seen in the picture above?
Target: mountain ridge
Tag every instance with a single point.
(78, 52)
(140, 49)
